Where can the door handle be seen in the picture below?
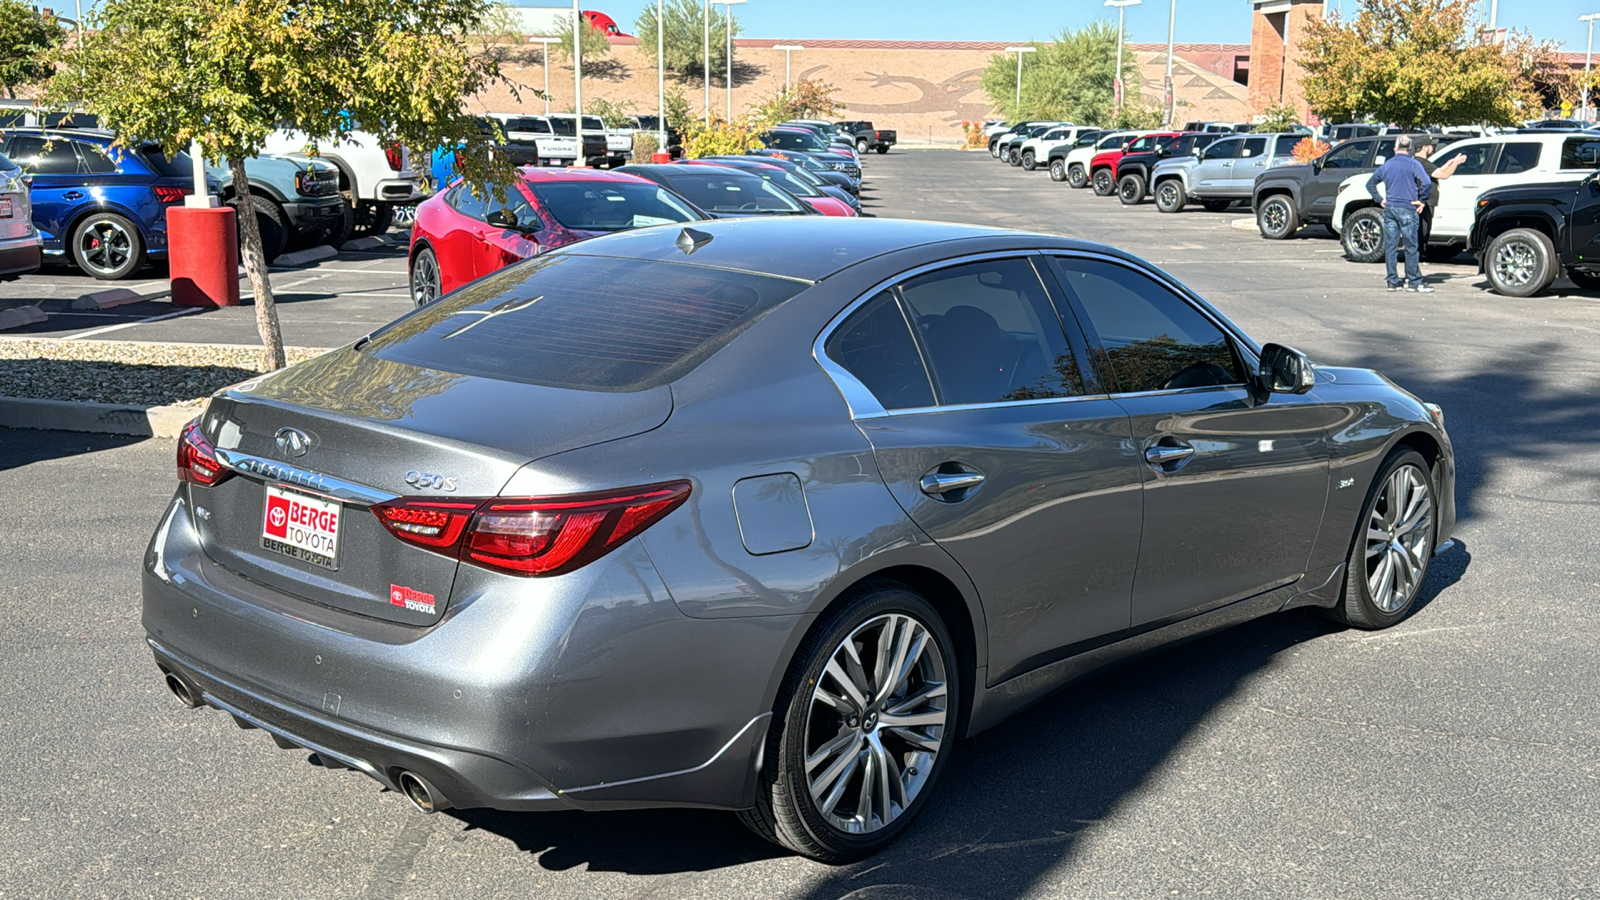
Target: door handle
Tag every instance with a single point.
(937, 484)
(1159, 455)
(73, 195)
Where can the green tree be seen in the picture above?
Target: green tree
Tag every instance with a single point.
(685, 41)
(1069, 80)
(1417, 63)
(808, 98)
(27, 40)
(226, 73)
(593, 44)
(1278, 117)
(613, 114)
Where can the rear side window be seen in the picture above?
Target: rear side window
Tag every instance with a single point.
(44, 156)
(584, 323)
(1580, 153)
(96, 160)
(1253, 148)
(1224, 149)
(1286, 144)
(1516, 158)
(176, 166)
(526, 123)
(875, 345)
(1346, 156)
(1152, 338)
(1475, 161)
(991, 334)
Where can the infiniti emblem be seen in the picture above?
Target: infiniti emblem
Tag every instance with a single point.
(293, 441)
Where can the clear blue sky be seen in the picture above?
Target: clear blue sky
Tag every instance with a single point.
(1199, 21)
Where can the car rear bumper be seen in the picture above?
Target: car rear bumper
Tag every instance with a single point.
(19, 256)
(399, 190)
(586, 692)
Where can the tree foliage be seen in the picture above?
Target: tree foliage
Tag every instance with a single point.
(808, 98)
(27, 39)
(722, 137)
(612, 113)
(226, 73)
(685, 41)
(1069, 80)
(1416, 63)
(1278, 117)
(592, 42)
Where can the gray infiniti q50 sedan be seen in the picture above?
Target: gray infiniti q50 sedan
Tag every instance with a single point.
(763, 515)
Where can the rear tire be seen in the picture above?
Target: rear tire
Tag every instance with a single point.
(1076, 176)
(882, 149)
(1104, 184)
(861, 145)
(1520, 263)
(373, 218)
(1014, 156)
(1170, 196)
(1276, 217)
(1058, 170)
(815, 711)
(1130, 189)
(269, 219)
(425, 279)
(1362, 236)
(1029, 161)
(107, 246)
(1392, 546)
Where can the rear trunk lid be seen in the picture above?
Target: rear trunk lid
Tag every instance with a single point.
(315, 447)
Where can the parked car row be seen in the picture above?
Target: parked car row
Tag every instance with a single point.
(1521, 201)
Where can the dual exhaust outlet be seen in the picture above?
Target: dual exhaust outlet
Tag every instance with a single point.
(422, 796)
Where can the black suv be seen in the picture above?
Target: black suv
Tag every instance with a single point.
(1288, 197)
(1527, 235)
(1133, 169)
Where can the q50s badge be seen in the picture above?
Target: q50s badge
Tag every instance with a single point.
(429, 481)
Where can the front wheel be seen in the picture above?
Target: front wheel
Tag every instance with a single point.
(1520, 263)
(861, 145)
(863, 726)
(1170, 197)
(1393, 544)
(1130, 189)
(1276, 218)
(1104, 184)
(1058, 170)
(1014, 156)
(1362, 235)
(882, 149)
(1029, 161)
(425, 280)
(107, 246)
(1076, 176)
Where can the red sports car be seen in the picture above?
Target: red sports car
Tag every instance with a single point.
(459, 237)
(794, 184)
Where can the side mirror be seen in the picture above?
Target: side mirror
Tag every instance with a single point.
(1285, 370)
(506, 219)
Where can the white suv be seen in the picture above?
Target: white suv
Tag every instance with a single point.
(1035, 151)
(1490, 162)
(1076, 161)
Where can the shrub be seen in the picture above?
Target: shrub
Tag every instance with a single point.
(644, 146)
(1309, 149)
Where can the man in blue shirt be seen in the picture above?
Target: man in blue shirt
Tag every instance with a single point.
(1405, 192)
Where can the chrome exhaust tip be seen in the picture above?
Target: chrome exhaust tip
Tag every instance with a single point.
(186, 695)
(422, 795)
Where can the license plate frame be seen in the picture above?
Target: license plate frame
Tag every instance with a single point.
(7, 208)
(302, 528)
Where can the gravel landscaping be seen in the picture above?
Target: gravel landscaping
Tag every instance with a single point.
(126, 372)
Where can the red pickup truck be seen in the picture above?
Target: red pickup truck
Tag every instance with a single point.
(1103, 167)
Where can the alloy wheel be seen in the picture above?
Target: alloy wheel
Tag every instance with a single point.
(1276, 216)
(1398, 531)
(1514, 264)
(876, 724)
(1167, 194)
(1366, 235)
(424, 279)
(105, 246)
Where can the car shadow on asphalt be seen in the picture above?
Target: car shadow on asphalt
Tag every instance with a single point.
(1012, 803)
(22, 446)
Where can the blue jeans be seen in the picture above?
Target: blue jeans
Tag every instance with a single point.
(1401, 222)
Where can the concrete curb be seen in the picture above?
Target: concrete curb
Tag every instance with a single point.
(306, 256)
(104, 418)
(107, 299)
(18, 316)
(361, 243)
(1244, 224)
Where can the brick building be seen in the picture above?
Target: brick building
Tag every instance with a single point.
(1276, 29)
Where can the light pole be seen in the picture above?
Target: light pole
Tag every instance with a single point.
(705, 19)
(728, 29)
(1122, 10)
(661, 80)
(786, 48)
(546, 42)
(1170, 94)
(1019, 51)
(577, 70)
(1587, 51)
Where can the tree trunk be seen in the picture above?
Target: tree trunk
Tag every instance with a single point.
(255, 267)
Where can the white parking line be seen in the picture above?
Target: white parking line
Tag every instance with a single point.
(94, 331)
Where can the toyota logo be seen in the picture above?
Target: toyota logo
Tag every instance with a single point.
(293, 441)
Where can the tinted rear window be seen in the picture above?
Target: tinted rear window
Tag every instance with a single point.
(599, 206)
(582, 322)
(528, 124)
(178, 166)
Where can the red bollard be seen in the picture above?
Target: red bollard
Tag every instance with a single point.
(203, 256)
(661, 156)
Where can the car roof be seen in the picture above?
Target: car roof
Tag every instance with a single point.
(808, 248)
(545, 175)
(95, 134)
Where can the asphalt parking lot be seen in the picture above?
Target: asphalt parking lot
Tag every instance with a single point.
(1455, 755)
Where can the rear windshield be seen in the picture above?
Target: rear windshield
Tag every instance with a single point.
(793, 140)
(527, 123)
(601, 206)
(727, 191)
(584, 323)
(177, 166)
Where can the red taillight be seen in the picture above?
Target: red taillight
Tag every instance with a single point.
(167, 193)
(391, 152)
(197, 459)
(533, 536)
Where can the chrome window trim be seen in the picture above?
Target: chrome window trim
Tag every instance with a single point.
(303, 480)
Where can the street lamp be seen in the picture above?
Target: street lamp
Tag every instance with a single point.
(728, 28)
(1019, 51)
(577, 71)
(1122, 10)
(705, 19)
(786, 48)
(1587, 51)
(1169, 93)
(546, 41)
(661, 80)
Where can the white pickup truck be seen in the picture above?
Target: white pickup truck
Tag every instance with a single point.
(374, 177)
(618, 142)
